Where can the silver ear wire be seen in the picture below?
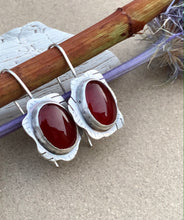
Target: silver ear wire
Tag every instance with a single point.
(74, 74)
(19, 107)
(47, 149)
(19, 80)
(65, 56)
(22, 84)
(59, 82)
(67, 60)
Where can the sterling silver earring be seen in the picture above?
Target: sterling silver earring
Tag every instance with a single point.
(50, 125)
(93, 104)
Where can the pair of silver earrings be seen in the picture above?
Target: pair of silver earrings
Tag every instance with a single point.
(56, 126)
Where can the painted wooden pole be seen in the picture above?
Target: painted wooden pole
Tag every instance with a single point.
(123, 23)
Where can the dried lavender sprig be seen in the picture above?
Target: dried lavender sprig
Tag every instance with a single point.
(156, 49)
(166, 25)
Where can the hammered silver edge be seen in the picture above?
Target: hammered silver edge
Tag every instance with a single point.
(74, 109)
(27, 125)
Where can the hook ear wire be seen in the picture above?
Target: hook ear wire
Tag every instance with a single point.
(73, 71)
(22, 84)
(65, 56)
(18, 106)
(19, 80)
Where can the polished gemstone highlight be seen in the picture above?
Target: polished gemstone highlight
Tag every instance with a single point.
(57, 126)
(101, 102)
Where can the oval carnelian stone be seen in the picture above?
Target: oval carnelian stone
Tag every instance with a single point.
(100, 102)
(57, 126)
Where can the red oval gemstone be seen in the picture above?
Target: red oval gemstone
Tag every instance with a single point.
(100, 102)
(57, 126)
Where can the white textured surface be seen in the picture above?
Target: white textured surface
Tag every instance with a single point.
(23, 43)
(136, 174)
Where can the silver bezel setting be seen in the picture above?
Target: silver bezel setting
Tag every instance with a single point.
(91, 120)
(39, 134)
(32, 128)
(78, 107)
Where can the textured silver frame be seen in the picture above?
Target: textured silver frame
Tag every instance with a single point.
(32, 128)
(80, 112)
(39, 134)
(91, 120)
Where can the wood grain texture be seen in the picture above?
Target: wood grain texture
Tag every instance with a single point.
(123, 23)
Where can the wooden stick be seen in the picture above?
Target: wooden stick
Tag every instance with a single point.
(123, 23)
